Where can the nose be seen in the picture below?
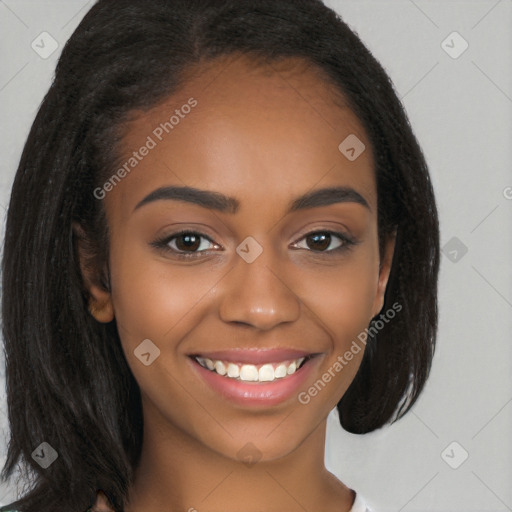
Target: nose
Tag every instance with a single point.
(258, 294)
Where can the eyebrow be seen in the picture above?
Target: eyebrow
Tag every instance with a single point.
(226, 204)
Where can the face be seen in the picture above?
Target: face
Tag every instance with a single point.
(216, 263)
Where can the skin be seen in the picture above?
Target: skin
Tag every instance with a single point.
(264, 135)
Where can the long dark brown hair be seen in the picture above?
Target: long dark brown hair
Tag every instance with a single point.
(68, 382)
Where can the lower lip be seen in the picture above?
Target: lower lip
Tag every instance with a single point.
(256, 393)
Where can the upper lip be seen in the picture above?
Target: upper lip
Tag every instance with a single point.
(254, 356)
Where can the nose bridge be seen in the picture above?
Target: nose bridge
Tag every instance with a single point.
(254, 293)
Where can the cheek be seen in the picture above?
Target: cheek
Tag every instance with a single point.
(342, 296)
(341, 299)
(152, 298)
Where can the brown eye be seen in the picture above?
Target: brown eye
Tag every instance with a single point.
(319, 242)
(188, 242)
(327, 242)
(185, 244)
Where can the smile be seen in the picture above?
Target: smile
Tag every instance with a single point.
(253, 377)
(249, 372)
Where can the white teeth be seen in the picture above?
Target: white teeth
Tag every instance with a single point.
(220, 368)
(233, 370)
(250, 373)
(280, 371)
(266, 373)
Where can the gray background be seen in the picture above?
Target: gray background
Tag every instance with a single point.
(461, 111)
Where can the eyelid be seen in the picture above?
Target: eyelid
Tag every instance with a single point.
(164, 241)
(347, 240)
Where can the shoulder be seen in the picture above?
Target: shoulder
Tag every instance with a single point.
(360, 505)
(102, 503)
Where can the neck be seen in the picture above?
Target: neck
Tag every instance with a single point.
(179, 473)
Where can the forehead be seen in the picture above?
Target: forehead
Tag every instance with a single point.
(260, 132)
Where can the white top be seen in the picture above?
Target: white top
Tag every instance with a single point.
(360, 505)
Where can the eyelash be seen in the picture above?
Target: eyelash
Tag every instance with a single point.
(163, 243)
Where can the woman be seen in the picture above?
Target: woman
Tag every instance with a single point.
(221, 228)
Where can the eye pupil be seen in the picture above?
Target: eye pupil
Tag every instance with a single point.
(190, 242)
(323, 239)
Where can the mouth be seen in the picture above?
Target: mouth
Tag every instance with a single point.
(243, 372)
(255, 378)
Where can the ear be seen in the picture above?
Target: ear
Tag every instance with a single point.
(100, 299)
(384, 271)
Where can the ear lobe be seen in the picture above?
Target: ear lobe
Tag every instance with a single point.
(384, 271)
(101, 308)
(100, 299)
